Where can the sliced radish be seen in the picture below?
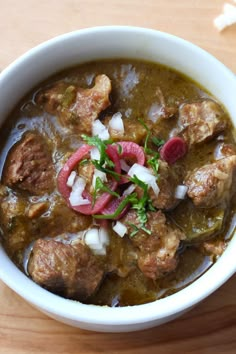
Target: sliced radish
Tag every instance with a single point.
(174, 149)
(112, 207)
(131, 150)
(65, 172)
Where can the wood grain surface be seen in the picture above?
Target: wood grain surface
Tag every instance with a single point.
(211, 326)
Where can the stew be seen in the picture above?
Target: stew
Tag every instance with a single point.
(117, 182)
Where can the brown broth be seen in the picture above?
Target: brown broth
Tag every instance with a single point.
(134, 90)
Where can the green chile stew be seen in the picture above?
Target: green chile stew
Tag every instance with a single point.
(117, 182)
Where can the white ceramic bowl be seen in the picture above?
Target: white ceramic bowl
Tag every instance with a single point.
(116, 42)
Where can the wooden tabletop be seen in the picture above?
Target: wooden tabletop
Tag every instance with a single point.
(211, 326)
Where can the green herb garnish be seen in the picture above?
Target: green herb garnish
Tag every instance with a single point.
(142, 205)
(84, 162)
(129, 199)
(101, 145)
(153, 161)
(158, 142)
(99, 167)
(119, 148)
(101, 187)
(136, 229)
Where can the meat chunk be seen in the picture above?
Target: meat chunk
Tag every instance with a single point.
(29, 165)
(71, 271)
(133, 131)
(167, 183)
(214, 247)
(37, 209)
(201, 121)
(157, 252)
(222, 150)
(86, 171)
(77, 107)
(213, 183)
(160, 108)
(59, 219)
(12, 222)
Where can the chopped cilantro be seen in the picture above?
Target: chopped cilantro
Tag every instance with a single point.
(101, 187)
(106, 170)
(84, 162)
(101, 145)
(158, 142)
(122, 205)
(136, 229)
(154, 163)
(144, 204)
(119, 148)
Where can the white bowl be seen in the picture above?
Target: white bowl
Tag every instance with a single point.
(116, 42)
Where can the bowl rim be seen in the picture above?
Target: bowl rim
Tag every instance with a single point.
(222, 270)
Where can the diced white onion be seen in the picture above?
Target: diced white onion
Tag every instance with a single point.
(124, 166)
(97, 240)
(71, 179)
(95, 154)
(116, 123)
(103, 236)
(76, 197)
(181, 191)
(145, 175)
(100, 130)
(99, 174)
(129, 190)
(120, 229)
(92, 238)
(154, 186)
(155, 112)
(226, 19)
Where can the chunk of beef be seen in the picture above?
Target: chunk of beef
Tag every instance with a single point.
(59, 219)
(213, 183)
(77, 107)
(12, 222)
(71, 271)
(157, 252)
(37, 209)
(29, 165)
(201, 121)
(3, 192)
(214, 247)
(222, 150)
(86, 171)
(167, 183)
(133, 130)
(161, 109)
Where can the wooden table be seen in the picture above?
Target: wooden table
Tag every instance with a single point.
(210, 327)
